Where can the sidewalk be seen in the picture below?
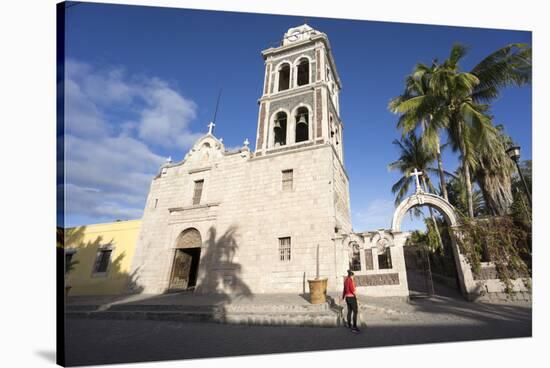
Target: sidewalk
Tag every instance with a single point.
(291, 309)
(261, 309)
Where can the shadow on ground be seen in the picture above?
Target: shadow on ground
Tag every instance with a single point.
(135, 341)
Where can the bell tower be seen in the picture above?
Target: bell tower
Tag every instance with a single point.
(300, 105)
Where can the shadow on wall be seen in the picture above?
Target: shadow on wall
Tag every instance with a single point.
(81, 276)
(218, 273)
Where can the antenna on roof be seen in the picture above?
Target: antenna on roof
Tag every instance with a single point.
(217, 104)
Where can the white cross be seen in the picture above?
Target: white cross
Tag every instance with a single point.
(169, 159)
(246, 142)
(210, 127)
(416, 174)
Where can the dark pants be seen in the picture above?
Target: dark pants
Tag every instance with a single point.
(351, 301)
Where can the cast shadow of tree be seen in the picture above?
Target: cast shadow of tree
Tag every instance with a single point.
(219, 274)
(115, 281)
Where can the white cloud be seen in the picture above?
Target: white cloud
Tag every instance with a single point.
(161, 114)
(96, 203)
(113, 122)
(165, 120)
(377, 215)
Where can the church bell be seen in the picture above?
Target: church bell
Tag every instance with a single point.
(302, 120)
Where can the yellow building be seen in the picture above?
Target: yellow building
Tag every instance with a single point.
(101, 257)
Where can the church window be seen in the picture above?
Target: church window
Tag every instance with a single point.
(355, 261)
(279, 129)
(302, 125)
(303, 72)
(328, 74)
(197, 193)
(284, 77)
(384, 259)
(284, 249)
(156, 202)
(288, 178)
(103, 259)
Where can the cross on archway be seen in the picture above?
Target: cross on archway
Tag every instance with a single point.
(416, 174)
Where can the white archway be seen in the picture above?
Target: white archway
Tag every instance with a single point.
(420, 198)
(423, 199)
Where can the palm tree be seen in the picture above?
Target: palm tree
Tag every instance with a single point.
(470, 127)
(459, 198)
(494, 174)
(413, 155)
(456, 101)
(417, 92)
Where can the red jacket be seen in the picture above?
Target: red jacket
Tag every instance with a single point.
(349, 287)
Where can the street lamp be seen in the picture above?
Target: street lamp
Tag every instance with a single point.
(514, 153)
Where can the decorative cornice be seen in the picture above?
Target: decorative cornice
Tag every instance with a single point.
(187, 208)
(206, 168)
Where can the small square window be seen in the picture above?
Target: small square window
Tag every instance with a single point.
(102, 260)
(284, 249)
(287, 179)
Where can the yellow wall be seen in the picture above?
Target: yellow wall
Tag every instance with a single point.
(87, 240)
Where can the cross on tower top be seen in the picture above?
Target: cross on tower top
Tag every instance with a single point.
(211, 127)
(416, 174)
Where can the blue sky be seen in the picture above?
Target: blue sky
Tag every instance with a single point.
(141, 85)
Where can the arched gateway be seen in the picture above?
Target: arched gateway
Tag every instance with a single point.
(419, 199)
(186, 260)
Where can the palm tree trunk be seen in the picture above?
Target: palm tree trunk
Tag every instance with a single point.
(439, 160)
(442, 182)
(466, 170)
(432, 215)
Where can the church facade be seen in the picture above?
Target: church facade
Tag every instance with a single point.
(266, 221)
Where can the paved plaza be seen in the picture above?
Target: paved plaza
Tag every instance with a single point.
(388, 322)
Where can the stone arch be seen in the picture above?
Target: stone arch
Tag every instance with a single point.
(189, 238)
(270, 132)
(419, 199)
(302, 76)
(292, 122)
(424, 199)
(284, 75)
(186, 259)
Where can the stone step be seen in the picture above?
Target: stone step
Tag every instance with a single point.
(298, 317)
(81, 308)
(277, 308)
(161, 308)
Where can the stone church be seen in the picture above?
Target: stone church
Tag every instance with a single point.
(266, 221)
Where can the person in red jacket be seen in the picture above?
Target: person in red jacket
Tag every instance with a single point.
(351, 300)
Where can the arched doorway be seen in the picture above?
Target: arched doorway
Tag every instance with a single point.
(419, 199)
(185, 266)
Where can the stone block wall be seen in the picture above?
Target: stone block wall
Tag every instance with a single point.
(243, 213)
